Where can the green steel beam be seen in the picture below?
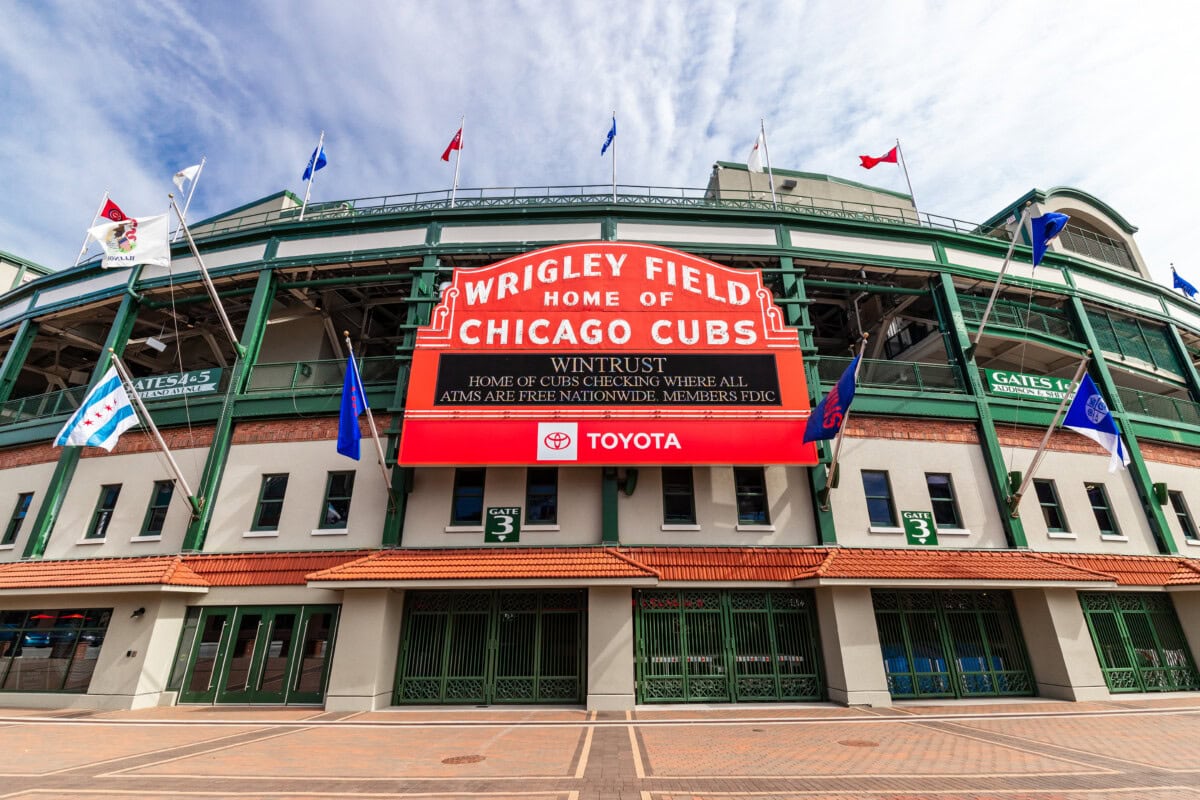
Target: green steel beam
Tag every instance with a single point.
(218, 450)
(1138, 471)
(610, 529)
(958, 343)
(14, 359)
(1190, 376)
(863, 287)
(68, 459)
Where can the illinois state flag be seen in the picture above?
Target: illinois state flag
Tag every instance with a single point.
(103, 416)
(827, 417)
(136, 240)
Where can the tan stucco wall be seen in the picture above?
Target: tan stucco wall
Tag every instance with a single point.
(13, 482)
(1060, 647)
(1180, 479)
(854, 670)
(1187, 607)
(610, 671)
(736, 183)
(363, 673)
(300, 339)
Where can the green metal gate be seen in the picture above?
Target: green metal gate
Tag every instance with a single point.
(1139, 641)
(492, 647)
(711, 645)
(951, 644)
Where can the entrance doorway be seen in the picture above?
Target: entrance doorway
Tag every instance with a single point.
(1139, 641)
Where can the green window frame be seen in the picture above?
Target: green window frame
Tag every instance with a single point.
(750, 490)
(156, 512)
(1183, 514)
(335, 509)
(466, 504)
(1052, 511)
(679, 496)
(20, 510)
(541, 496)
(881, 507)
(270, 502)
(102, 516)
(942, 499)
(1102, 509)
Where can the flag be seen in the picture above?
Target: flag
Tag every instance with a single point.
(135, 240)
(612, 134)
(1089, 415)
(103, 416)
(112, 211)
(1042, 230)
(354, 403)
(887, 158)
(1179, 283)
(315, 162)
(754, 162)
(455, 144)
(827, 417)
(186, 174)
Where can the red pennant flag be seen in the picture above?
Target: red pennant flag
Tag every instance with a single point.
(112, 212)
(455, 144)
(890, 158)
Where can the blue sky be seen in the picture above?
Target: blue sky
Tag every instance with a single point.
(988, 100)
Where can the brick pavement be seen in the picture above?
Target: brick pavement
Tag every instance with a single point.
(1143, 748)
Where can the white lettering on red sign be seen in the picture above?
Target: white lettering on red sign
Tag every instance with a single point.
(638, 441)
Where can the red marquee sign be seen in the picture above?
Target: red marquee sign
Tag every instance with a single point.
(610, 353)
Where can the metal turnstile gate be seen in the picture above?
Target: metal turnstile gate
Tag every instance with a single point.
(1139, 642)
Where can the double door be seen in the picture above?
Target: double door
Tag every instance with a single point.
(259, 654)
(1139, 642)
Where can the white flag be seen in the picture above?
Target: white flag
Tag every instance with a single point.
(134, 241)
(103, 416)
(186, 174)
(754, 162)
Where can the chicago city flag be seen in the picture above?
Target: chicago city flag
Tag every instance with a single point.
(141, 240)
(103, 416)
(827, 417)
(1089, 415)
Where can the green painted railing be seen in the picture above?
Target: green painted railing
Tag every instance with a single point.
(297, 376)
(1021, 316)
(894, 375)
(50, 404)
(1161, 406)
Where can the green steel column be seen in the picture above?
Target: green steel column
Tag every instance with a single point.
(1137, 465)
(14, 359)
(60, 481)
(796, 314)
(610, 532)
(218, 451)
(1190, 375)
(946, 300)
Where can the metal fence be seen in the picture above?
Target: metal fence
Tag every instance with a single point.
(317, 375)
(1159, 405)
(62, 401)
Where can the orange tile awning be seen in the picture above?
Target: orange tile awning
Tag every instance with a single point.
(266, 569)
(753, 564)
(1137, 570)
(970, 566)
(490, 564)
(153, 571)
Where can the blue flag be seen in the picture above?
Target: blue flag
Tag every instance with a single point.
(826, 419)
(1045, 228)
(315, 162)
(1089, 416)
(612, 134)
(354, 403)
(1179, 283)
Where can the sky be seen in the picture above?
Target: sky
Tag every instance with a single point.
(988, 100)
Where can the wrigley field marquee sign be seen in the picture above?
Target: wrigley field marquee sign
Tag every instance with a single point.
(606, 353)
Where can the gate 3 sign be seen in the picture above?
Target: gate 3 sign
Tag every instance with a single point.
(606, 353)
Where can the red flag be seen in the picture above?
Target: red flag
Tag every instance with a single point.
(455, 144)
(112, 212)
(889, 157)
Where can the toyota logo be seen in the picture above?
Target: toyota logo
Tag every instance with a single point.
(557, 441)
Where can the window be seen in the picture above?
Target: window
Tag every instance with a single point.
(270, 503)
(335, 511)
(156, 514)
(18, 517)
(1105, 520)
(467, 506)
(541, 496)
(50, 650)
(1051, 509)
(1181, 513)
(941, 496)
(679, 496)
(880, 509)
(750, 486)
(104, 509)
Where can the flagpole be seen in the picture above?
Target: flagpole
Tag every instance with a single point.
(614, 164)
(1015, 500)
(191, 192)
(831, 467)
(208, 284)
(462, 124)
(312, 175)
(86, 236)
(987, 311)
(387, 482)
(762, 124)
(127, 380)
(911, 196)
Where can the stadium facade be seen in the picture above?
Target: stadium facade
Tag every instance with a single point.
(595, 488)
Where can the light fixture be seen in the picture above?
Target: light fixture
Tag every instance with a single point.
(155, 344)
(138, 613)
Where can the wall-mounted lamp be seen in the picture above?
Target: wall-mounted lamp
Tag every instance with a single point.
(138, 613)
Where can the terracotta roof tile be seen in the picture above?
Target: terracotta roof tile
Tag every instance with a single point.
(1135, 570)
(969, 565)
(483, 563)
(266, 569)
(98, 572)
(730, 563)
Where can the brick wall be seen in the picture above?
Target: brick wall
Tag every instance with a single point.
(912, 428)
